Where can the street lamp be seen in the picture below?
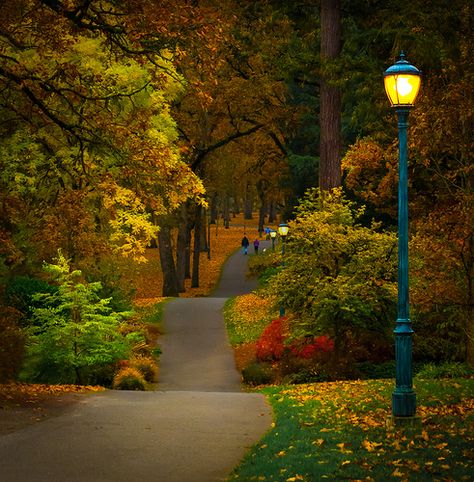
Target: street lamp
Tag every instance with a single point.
(402, 84)
(283, 232)
(273, 234)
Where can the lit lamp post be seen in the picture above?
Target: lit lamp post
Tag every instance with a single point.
(402, 83)
(273, 234)
(283, 232)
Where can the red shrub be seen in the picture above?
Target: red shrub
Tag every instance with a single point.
(306, 349)
(270, 344)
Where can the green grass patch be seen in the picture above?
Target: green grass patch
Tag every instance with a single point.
(153, 314)
(246, 317)
(343, 431)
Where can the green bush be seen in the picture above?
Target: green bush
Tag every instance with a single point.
(258, 265)
(12, 345)
(74, 332)
(444, 370)
(340, 276)
(20, 293)
(258, 373)
(129, 378)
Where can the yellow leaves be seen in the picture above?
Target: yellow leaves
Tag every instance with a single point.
(372, 446)
(282, 453)
(319, 442)
(253, 307)
(295, 478)
(30, 393)
(344, 448)
(397, 473)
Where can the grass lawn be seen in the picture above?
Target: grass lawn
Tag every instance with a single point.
(342, 431)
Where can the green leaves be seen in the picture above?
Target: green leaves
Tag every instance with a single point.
(339, 276)
(75, 331)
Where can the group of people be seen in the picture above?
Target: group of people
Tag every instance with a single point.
(245, 244)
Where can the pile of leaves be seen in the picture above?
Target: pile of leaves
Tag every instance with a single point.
(344, 431)
(29, 394)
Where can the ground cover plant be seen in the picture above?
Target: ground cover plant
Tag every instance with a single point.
(343, 431)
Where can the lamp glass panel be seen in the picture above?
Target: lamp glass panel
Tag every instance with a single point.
(402, 89)
(283, 230)
(273, 234)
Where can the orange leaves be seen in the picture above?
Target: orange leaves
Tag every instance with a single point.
(18, 393)
(253, 307)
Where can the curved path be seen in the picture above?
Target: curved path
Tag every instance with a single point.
(195, 428)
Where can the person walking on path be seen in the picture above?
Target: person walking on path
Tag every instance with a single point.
(256, 244)
(245, 244)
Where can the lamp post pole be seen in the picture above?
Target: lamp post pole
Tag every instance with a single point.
(403, 398)
(273, 236)
(283, 231)
(402, 83)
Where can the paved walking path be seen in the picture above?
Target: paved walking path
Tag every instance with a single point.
(195, 428)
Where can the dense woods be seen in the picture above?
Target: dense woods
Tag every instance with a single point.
(130, 124)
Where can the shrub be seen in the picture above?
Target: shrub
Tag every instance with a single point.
(258, 373)
(308, 348)
(444, 370)
(20, 293)
(146, 366)
(12, 346)
(129, 378)
(75, 332)
(270, 344)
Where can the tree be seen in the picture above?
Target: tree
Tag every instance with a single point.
(339, 277)
(74, 333)
(330, 101)
(88, 146)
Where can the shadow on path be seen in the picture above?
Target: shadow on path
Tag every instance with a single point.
(195, 428)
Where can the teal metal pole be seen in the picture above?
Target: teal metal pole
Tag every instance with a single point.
(282, 308)
(403, 398)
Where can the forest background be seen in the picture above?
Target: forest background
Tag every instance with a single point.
(128, 125)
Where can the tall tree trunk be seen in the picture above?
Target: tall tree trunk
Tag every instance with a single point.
(214, 212)
(330, 101)
(272, 212)
(187, 273)
(197, 248)
(248, 208)
(226, 212)
(181, 249)
(204, 221)
(170, 278)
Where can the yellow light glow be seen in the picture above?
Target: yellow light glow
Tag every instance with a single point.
(283, 230)
(402, 89)
(273, 234)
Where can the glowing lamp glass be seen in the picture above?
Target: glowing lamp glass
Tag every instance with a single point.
(402, 89)
(283, 229)
(402, 83)
(273, 234)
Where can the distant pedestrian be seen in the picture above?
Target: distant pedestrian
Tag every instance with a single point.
(256, 244)
(245, 244)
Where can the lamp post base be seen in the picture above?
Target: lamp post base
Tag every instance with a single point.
(412, 424)
(403, 403)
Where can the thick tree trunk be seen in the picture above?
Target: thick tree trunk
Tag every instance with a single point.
(248, 208)
(214, 212)
(226, 212)
(197, 248)
(187, 259)
(170, 279)
(272, 212)
(330, 97)
(181, 255)
(261, 216)
(203, 241)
